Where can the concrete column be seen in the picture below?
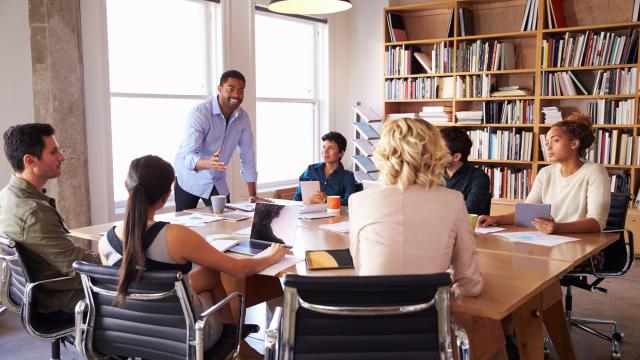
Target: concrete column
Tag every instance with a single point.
(58, 99)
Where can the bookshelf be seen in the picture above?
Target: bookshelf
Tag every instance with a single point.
(496, 22)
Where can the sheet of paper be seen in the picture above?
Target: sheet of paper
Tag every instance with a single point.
(286, 262)
(221, 244)
(241, 206)
(536, 238)
(313, 208)
(309, 188)
(318, 215)
(193, 220)
(243, 231)
(341, 227)
(488, 229)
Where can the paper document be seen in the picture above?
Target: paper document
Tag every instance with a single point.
(341, 227)
(318, 215)
(488, 229)
(536, 238)
(243, 231)
(286, 262)
(314, 208)
(193, 220)
(221, 244)
(309, 188)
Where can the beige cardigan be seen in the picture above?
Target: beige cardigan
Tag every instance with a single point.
(418, 231)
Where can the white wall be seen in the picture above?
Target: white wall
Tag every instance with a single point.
(357, 69)
(16, 95)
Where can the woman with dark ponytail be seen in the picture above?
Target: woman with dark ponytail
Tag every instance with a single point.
(141, 243)
(578, 190)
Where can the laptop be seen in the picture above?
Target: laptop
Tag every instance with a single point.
(272, 223)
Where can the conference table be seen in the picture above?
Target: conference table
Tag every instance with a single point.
(522, 288)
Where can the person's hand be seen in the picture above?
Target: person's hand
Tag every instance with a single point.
(486, 220)
(275, 252)
(215, 163)
(256, 198)
(547, 226)
(318, 198)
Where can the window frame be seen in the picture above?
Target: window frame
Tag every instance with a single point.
(319, 100)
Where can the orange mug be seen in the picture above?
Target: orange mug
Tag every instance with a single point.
(334, 204)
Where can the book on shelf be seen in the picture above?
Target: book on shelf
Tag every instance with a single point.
(508, 183)
(543, 147)
(400, 60)
(636, 7)
(465, 18)
(555, 14)
(563, 83)
(519, 92)
(418, 88)
(608, 147)
(445, 87)
(450, 31)
(590, 49)
(469, 117)
(485, 55)
(620, 181)
(530, 18)
(552, 115)
(492, 144)
(508, 112)
(442, 57)
(608, 112)
(436, 114)
(396, 116)
(397, 30)
(475, 86)
(425, 61)
(615, 81)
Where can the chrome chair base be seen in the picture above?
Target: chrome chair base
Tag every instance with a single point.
(614, 339)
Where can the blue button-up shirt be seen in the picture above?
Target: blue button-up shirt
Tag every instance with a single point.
(206, 132)
(341, 182)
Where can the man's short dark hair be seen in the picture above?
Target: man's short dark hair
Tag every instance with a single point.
(457, 141)
(231, 74)
(337, 138)
(20, 140)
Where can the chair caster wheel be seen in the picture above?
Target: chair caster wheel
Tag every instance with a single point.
(617, 336)
(615, 356)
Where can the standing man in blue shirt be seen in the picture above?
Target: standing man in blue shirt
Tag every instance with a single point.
(334, 179)
(214, 129)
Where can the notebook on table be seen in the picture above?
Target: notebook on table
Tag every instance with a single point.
(272, 223)
(329, 259)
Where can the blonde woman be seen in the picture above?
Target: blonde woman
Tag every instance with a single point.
(412, 224)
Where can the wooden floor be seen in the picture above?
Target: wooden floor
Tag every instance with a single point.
(621, 303)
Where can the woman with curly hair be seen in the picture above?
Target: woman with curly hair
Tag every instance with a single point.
(412, 224)
(578, 190)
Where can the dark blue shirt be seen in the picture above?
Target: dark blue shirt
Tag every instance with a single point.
(475, 186)
(341, 182)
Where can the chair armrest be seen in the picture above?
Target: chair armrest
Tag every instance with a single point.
(200, 324)
(630, 254)
(271, 336)
(26, 311)
(462, 341)
(81, 307)
(29, 290)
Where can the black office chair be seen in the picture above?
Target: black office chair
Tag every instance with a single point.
(618, 258)
(366, 317)
(16, 293)
(155, 322)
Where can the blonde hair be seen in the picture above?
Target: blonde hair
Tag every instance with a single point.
(411, 151)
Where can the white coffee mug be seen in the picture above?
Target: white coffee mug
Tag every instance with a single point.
(218, 202)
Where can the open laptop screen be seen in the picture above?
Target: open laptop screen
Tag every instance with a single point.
(275, 223)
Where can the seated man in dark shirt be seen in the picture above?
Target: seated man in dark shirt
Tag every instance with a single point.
(472, 182)
(334, 179)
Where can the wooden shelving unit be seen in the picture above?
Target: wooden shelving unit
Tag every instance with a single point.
(427, 24)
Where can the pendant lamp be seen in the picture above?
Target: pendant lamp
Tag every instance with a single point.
(309, 7)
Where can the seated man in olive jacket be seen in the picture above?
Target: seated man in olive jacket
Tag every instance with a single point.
(29, 217)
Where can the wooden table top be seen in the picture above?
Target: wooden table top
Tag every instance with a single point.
(522, 269)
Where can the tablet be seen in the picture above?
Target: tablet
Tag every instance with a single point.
(525, 213)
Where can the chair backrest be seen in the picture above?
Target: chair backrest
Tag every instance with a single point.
(155, 322)
(366, 317)
(14, 277)
(619, 255)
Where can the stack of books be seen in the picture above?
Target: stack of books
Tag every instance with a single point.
(469, 117)
(551, 115)
(515, 90)
(436, 114)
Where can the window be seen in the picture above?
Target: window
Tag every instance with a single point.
(162, 61)
(290, 85)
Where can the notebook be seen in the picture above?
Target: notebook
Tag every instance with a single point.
(272, 223)
(525, 213)
(329, 259)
